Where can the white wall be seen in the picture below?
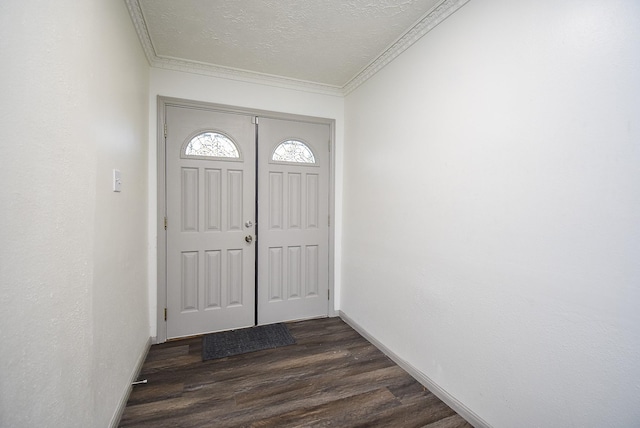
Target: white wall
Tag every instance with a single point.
(492, 210)
(73, 258)
(210, 89)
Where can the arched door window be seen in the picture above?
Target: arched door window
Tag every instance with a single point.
(211, 144)
(293, 151)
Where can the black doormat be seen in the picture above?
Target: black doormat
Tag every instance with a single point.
(236, 342)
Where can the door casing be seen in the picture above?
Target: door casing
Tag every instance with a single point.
(163, 103)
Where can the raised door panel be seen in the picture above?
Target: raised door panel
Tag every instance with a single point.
(213, 278)
(213, 199)
(189, 199)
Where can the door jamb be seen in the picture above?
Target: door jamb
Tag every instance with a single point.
(163, 103)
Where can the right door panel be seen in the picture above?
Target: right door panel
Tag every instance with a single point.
(293, 220)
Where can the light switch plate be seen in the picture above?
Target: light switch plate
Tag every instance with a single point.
(117, 181)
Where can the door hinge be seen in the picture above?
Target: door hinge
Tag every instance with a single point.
(165, 314)
(255, 120)
(328, 294)
(165, 130)
(165, 223)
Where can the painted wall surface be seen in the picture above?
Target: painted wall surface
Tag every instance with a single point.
(73, 265)
(492, 210)
(210, 89)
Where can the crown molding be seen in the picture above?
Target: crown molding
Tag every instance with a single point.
(429, 21)
(206, 69)
(135, 12)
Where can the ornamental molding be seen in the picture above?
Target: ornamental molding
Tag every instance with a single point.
(428, 22)
(135, 11)
(206, 69)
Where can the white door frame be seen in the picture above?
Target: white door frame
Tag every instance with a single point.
(163, 103)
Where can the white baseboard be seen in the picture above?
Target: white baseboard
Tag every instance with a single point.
(115, 420)
(443, 395)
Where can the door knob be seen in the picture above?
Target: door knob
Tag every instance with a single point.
(248, 238)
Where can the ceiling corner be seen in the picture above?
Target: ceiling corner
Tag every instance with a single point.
(428, 22)
(141, 29)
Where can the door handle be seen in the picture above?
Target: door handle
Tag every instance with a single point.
(248, 238)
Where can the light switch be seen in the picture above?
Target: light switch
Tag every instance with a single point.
(117, 181)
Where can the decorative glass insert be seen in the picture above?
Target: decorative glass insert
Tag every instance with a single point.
(212, 144)
(293, 151)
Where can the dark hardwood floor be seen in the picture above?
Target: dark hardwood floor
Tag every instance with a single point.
(332, 377)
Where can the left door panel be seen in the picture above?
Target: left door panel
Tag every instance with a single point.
(210, 197)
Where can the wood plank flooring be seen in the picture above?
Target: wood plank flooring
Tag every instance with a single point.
(332, 377)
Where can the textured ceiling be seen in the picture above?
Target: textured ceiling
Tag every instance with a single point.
(322, 42)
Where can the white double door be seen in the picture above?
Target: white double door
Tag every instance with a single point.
(247, 220)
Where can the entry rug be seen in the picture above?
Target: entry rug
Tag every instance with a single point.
(236, 342)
